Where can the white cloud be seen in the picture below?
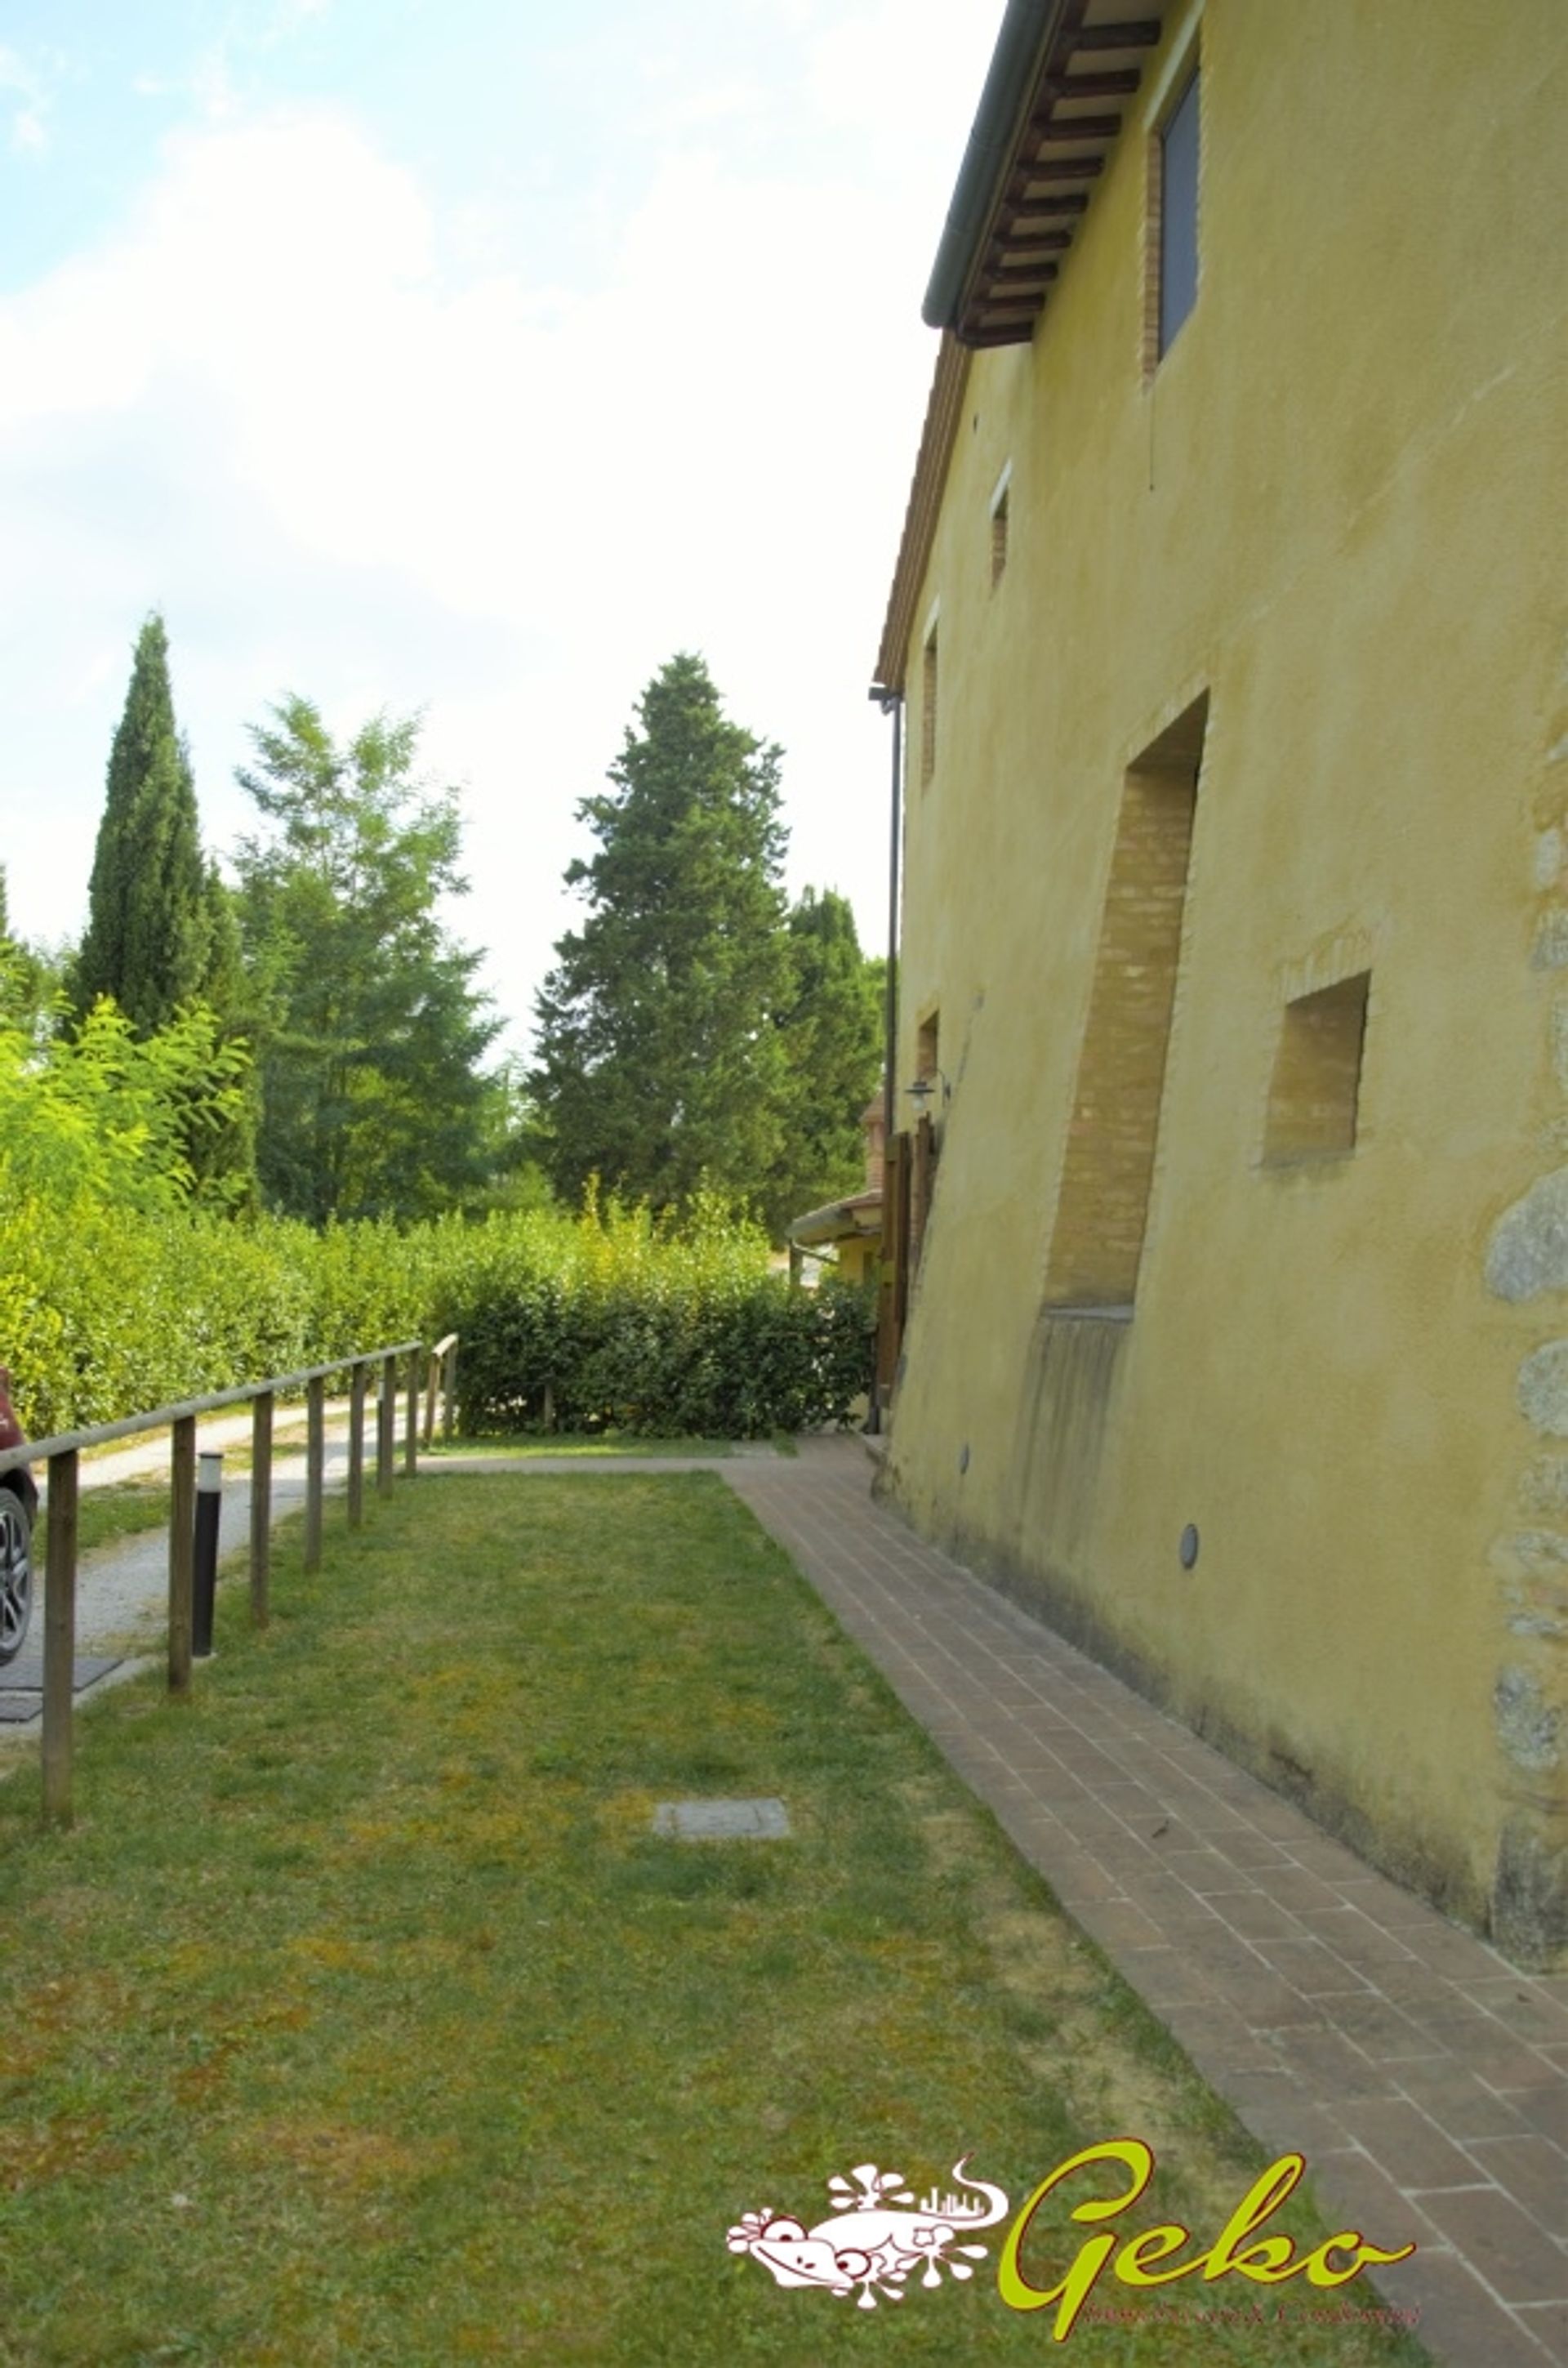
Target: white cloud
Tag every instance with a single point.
(30, 131)
(263, 405)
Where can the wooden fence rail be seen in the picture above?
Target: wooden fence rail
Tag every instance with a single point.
(61, 1453)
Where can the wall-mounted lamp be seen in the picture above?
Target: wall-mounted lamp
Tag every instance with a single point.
(921, 1091)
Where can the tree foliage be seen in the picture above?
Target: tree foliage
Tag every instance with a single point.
(832, 1029)
(149, 940)
(690, 1030)
(370, 1027)
(102, 1118)
(32, 978)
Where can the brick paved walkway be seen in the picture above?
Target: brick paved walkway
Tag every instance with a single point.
(1423, 2078)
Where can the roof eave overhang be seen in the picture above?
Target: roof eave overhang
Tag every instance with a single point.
(1041, 137)
(1047, 120)
(1026, 33)
(943, 411)
(839, 1220)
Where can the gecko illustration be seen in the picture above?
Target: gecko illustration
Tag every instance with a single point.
(872, 2245)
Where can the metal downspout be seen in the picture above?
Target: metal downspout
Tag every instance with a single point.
(892, 704)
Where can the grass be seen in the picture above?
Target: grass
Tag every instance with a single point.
(124, 1508)
(361, 2017)
(579, 1443)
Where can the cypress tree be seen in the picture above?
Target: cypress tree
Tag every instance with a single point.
(148, 935)
(659, 1061)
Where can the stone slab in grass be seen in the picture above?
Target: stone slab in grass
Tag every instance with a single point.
(721, 1821)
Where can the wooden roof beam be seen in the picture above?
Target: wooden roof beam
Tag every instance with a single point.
(1036, 212)
(1120, 82)
(1054, 168)
(1017, 210)
(1063, 129)
(1143, 33)
(1037, 241)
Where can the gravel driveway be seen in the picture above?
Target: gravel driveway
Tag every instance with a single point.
(122, 1588)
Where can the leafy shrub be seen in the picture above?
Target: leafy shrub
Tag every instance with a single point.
(106, 1311)
(725, 1363)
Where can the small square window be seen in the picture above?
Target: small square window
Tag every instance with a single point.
(1315, 1091)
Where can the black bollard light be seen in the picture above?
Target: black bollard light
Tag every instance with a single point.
(209, 1503)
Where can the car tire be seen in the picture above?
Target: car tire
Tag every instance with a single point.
(16, 1574)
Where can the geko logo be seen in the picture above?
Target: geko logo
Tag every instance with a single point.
(873, 2245)
(870, 2247)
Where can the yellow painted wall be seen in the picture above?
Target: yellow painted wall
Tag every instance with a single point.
(858, 1259)
(1332, 511)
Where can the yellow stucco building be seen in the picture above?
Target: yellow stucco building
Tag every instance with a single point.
(1230, 628)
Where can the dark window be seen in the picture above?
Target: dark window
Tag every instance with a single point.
(928, 711)
(1178, 215)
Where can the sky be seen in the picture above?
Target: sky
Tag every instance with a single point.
(470, 357)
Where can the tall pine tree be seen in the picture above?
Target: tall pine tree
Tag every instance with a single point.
(659, 1059)
(149, 941)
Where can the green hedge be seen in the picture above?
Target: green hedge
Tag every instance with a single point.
(105, 1314)
(736, 1362)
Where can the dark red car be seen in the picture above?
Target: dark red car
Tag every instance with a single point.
(19, 1508)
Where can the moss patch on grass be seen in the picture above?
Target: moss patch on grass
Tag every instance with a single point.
(361, 2016)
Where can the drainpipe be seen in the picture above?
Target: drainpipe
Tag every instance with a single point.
(892, 704)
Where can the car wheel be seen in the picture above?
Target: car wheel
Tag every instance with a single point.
(16, 1574)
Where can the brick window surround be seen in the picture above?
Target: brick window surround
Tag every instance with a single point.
(1108, 1171)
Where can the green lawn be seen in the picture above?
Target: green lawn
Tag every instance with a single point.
(582, 1444)
(361, 2017)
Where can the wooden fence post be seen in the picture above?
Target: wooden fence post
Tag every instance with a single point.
(357, 1444)
(60, 1638)
(315, 1467)
(260, 1506)
(411, 1424)
(182, 1553)
(386, 1426)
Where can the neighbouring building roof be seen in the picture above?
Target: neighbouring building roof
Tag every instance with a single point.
(839, 1220)
(859, 1215)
